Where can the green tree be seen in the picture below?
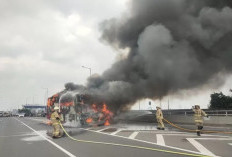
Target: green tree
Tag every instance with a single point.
(220, 101)
(26, 111)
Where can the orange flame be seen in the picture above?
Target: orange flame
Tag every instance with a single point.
(107, 114)
(89, 120)
(67, 103)
(105, 110)
(104, 113)
(107, 123)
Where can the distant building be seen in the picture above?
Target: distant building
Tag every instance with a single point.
(36, 110)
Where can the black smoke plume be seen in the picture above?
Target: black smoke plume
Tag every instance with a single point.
(173, 45)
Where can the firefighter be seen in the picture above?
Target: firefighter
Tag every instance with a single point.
(55, 118)
(159, 118)
(198, 118)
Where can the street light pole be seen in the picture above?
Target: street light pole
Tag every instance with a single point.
(46, 96)
(87, 68)
(33, 99)
(26, 99)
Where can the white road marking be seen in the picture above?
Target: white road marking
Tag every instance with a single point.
(53, 143)
(160, 139)
(117, 131)
(230, 144)
(88, 128)
(176, 148)
(133, 135)
(185, 134)
(102, 129)
(44, 133)
(128, 129)
(163, 133)
(160, 132)
(220, 139)
(33, 138)
(200, 147)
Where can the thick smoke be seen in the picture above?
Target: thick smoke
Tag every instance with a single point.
(71, 87)
(173, 45)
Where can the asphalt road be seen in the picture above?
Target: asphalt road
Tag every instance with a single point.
(24, 137)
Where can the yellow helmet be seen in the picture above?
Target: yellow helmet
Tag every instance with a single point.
(56, 108)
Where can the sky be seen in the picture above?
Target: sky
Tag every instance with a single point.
(44, 44)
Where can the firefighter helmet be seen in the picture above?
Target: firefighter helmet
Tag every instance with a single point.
(56, 108)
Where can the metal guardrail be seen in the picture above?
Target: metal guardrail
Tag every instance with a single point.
(210, 113)
(189, 112)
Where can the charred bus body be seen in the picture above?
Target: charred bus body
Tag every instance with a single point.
(79, 109)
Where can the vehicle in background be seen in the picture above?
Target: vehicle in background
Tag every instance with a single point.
(21, 115)
(1, 113)
(14, 112)
(41, 115)
(6, 114)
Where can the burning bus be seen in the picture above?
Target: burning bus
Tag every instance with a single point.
(78, 109)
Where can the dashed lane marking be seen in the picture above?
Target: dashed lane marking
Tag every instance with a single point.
(200, 147)
(160, 139)
(133, 135)
(117, 131)
(220, 139)
(88, 128)
(101, 130)
(176, 148)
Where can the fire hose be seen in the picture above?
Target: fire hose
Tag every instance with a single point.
(131, 146)
(189, 130)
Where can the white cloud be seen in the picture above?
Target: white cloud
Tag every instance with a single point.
(44, 43)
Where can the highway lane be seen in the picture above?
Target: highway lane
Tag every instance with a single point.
(22, 137)
(15, 141)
